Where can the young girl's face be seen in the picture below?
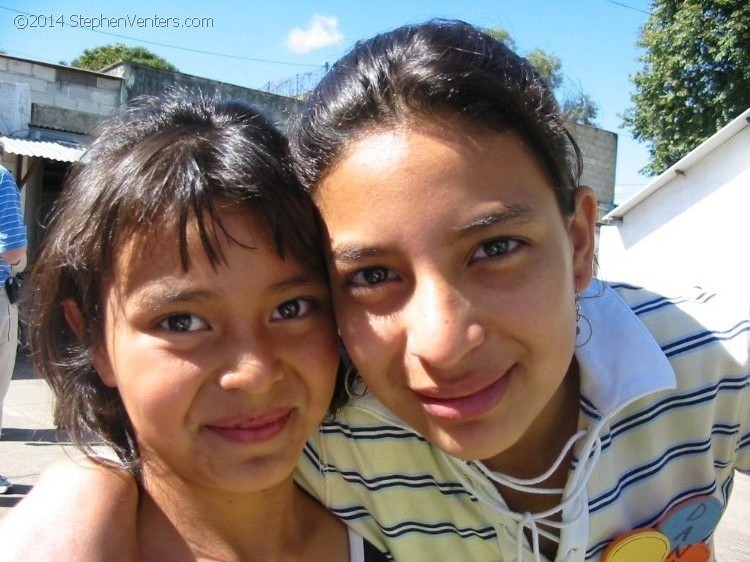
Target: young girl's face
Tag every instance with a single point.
(224, 373)
(454, 275)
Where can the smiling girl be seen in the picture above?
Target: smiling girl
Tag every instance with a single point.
(516, 407)
(180, 312)
(512, 406)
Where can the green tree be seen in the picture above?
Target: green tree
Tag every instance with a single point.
(575, 104)
(695, 76)
(99, 58)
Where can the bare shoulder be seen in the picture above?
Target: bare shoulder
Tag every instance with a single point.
(69, 514)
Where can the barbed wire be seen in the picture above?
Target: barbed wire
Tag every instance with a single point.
(297, 86)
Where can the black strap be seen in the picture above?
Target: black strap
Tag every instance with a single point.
(13, 289)
(372, 554)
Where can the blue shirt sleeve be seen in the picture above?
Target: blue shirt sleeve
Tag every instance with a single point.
(12, 229)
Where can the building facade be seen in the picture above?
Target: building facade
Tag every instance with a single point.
(48, 112)
(689, 226)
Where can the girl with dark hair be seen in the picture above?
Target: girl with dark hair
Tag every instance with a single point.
(518, 408)
(511, 406)
(179, 309)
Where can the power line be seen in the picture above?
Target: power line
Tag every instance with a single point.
(629, 7)
(188, 49)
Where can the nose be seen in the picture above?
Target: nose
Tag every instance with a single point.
(253, 366)
(442, 327)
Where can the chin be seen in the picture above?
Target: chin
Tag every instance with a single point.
(463, 447)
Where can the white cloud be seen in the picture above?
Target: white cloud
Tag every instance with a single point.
(322, 31)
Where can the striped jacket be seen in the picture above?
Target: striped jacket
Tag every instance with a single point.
(664, 420)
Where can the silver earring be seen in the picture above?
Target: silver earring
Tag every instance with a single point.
(579, 318)
(351, 375)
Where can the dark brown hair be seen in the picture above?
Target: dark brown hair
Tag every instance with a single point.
(439, 69)
(151, 173)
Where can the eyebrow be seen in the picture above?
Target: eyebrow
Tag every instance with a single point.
(353, 254)
(510, 214)
(301, 280)
(152, 298)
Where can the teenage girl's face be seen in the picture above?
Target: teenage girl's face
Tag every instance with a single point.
(454, 274)
(224, 373)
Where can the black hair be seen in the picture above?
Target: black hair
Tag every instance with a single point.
(436, 70)
(152, 172)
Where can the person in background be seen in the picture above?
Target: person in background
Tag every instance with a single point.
(12, 260)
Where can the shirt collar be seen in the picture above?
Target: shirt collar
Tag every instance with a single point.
(621, 362)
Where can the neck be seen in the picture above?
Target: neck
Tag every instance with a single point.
(541, 445)
(179, 522)
(537, 451)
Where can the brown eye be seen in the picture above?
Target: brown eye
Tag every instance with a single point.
(183, 323)
(372, 276)
(292, 309)
(495, 248)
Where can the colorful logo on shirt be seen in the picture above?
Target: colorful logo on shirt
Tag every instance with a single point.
(678, 537)
(640, 545)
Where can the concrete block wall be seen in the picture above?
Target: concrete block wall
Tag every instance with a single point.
(140, 81)
(15, 107)
(599, 149)
(62, 87)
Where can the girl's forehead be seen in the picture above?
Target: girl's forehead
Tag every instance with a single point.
(371, 157)
(370, 146)
(408, 181)
(172, 239)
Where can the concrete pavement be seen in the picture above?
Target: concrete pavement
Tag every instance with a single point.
(30, 443)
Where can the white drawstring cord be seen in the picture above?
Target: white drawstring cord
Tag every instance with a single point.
(527, 519)
(577, 484)
(526, 485)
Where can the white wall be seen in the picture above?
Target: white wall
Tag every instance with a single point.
(695, 230)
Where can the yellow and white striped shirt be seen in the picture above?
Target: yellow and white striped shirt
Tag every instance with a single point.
(664, 420)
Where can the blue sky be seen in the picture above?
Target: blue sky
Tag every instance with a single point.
(262, 42)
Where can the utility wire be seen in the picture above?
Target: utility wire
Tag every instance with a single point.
(629, 7)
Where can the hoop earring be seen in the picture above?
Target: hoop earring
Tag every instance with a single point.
(350, 374)
(350, 377)
(579, 317)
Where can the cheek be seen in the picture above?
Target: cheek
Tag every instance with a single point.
(315, 352)
(544, 317)
(372, 342)
(152, 384)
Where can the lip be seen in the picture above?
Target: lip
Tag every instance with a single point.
(252, 429)
(470, 406)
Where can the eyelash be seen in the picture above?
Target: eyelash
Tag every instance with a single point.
(175, 322)
(510, 246)
(358, 278)
(303, 307)
(166, 323)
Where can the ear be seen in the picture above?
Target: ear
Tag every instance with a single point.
(582, 229)
(73, 317)
(99, 357)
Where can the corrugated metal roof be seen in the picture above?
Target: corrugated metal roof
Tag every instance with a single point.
(42, 149)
